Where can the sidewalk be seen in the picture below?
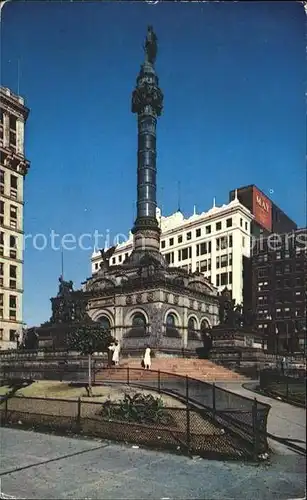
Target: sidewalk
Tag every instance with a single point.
(285, 421)
(52, 467)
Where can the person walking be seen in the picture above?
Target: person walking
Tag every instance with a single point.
(147, 358)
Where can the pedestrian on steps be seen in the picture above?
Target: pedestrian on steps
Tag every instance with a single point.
(147, 358)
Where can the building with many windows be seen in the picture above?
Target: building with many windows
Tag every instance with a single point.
(213, 243)
(279, 276)
(13, 168)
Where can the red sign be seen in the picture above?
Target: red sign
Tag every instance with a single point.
(262, 209)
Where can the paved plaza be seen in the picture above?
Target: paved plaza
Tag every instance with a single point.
(40, 466)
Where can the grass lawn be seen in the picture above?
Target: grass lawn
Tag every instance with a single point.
(62, 390)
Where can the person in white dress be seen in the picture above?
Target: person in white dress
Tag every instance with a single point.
(115, 347)
(147, 358)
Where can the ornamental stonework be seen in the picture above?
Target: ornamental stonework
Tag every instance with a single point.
(139, 299)
(150, 297)
(176, 299)
(128, 300)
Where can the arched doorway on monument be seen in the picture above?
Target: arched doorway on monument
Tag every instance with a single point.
(193, 333)
(139, 326)
(171, 326)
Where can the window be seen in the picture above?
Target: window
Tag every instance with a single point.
(208, 229)
(204, 266)
(171, 320)
(230, 278)
(104, 322)
(230, 259)
(113, 260)
(1, 299)
(1, 333)
(230, 241)
(218, 226)
(171, 242)
(1, 176)
(203, 248)
(13, 271)
(278, 269)
(191, 324)
(13, 241)
(180, 238)
(218, 262)
(278, 255)
(169, 257)
(1, 238)
(120, 258)
(13, 212)
(2, 207)
(299, 266)
(12, 139)
(13, 122)
(246, 226)
(298, 281)
(287, 268)
(1, 269)
(163, 244)
(96, 265)
(217, 280)
(287, 255)
(287, 312)
(224, 261)
(224, 280)
(229, 222)
(12, 315)
(13, 301)
(13, 284)
(14, 181)
(198, 233)
(262, 272)
(126, 255)
(243, 241)
(278, 313)
(189, 235)
(13, 335)
(185, 253)
(241, 222)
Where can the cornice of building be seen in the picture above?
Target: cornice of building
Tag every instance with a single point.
(177, 222)
(13, 102)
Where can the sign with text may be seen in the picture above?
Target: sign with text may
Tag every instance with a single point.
(262, 210)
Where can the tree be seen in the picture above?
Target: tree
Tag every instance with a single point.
(88, 339)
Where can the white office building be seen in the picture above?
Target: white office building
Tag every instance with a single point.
(213, 243)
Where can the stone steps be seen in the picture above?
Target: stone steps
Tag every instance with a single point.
(200, 369)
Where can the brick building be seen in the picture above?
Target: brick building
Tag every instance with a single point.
(279, 277)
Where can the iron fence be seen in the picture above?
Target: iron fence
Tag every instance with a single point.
(244, 419)
(289, 384)
(184, 429)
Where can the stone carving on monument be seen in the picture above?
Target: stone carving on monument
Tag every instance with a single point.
(128, 300)
(150, 297)
(139, 298)
(106, 256)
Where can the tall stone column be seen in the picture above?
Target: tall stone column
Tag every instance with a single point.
(147, 103)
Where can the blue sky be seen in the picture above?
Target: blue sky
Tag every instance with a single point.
(234, 114)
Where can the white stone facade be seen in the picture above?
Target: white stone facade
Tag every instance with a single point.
(213, 242)
(13, 168)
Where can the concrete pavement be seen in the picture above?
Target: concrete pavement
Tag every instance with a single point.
(41, 466)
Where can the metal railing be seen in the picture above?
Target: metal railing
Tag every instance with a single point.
(286, 383)
(244, 418)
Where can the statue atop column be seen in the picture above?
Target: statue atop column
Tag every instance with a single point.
(65, 287)
(151, 46)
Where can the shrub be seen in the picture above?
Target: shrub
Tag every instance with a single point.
(139, 408)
